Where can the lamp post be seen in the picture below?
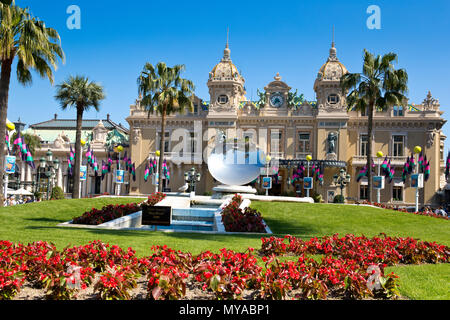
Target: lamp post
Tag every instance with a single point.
(341, 179)
(157, 154)
(9, 127)
(192, 177)
(268, 158)
(50, 167)
(118, 150)
(379, 156)
(308, 159)
(417, 150)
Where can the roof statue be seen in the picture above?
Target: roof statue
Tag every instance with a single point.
(115, 138)
(294, 100)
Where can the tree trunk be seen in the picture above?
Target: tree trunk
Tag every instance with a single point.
(161, 154)
(369, 151)
(76, 169)
(5, 79)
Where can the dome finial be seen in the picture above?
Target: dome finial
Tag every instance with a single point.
(228, 31)
(332, 49)
(226, 52)
(332, 38)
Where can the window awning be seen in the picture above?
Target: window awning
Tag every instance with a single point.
(286, 163)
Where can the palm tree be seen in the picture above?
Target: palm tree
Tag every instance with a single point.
(79, 93)
(379, 87)
(164, 91)
(35, 46)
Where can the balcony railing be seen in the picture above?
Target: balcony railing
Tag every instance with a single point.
(277, 155)
(302, 155)
(362, 160)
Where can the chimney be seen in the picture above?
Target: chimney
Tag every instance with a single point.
(107, 117)
(56, 116)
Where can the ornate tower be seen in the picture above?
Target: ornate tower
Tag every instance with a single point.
(327, 85)
(331, 109)
(226, 88)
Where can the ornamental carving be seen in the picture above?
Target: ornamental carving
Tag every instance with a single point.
(429, 103)
(136, 135)
(430, 138)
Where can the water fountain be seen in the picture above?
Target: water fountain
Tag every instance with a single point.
(234, 163)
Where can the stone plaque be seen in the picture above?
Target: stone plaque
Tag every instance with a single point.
(157, 215)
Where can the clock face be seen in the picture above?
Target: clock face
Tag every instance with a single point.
(276, 100)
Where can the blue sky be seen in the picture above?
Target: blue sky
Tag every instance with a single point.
(266, 37)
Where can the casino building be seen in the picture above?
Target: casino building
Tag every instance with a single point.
(289, 128)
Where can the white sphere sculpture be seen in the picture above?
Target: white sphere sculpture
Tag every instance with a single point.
(235, 166)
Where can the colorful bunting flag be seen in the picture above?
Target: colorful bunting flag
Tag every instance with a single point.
(110, 162)
(362, 173)
(427, 171)
(133, 172)
(146, 172)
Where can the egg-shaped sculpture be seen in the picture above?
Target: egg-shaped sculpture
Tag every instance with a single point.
(235, 165)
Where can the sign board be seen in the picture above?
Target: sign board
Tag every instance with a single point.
(120, 174)
(267, 183)
(417, 180)
(307, 183)
(155, 179)
(157, 215)
(378, 182)
(10, 164)
(83, 173)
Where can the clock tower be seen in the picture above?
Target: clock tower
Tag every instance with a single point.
(226, 88)
(276, 97)
(330, 99)
(331, 113)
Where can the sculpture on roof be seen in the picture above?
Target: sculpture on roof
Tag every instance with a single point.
(430, 103)
(262, 99)
(115, 138)
(295, 100)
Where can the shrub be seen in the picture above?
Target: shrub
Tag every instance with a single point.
(37, 195)
(57, 193)
(154, 198)
(237, 220)
(107, 213)
(339, 199)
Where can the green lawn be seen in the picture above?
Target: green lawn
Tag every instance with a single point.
(38, 221)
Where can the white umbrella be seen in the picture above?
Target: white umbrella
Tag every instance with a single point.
(21, 192)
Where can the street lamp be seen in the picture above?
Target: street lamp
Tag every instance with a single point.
(19, 125)
(379, 156)
(341, 179)
(50, 167)
(417, 150)
(192, 177)
(308, 159)
(268, 158)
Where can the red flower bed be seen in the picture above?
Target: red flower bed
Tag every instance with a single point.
(111, 212)
(237, 220)
(391, 207)
(353, 267)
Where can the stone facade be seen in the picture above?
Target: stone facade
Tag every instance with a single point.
(323, 129)
(58, 135)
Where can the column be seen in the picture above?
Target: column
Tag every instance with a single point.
(59, 177)
(22, 172)
(29, 177)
